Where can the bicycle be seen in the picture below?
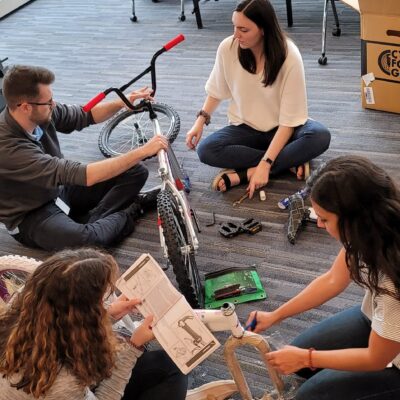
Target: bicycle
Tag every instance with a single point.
(14, 270)
(129, 129)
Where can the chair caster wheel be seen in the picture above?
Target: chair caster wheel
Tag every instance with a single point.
(182, 18)
(322, 60)
(336, 32)
(133, 18)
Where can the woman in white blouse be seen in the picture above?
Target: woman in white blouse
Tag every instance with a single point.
(260, 71)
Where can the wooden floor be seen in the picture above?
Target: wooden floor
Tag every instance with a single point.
(93, 45)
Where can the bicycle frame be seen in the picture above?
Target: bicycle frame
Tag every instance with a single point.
(165, 171)
(226, 319)
(168, 180)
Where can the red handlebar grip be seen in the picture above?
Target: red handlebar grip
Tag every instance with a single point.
(90, 104)
(174, 42)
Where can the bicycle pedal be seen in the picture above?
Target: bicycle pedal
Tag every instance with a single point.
(229, 229)
(251, 226)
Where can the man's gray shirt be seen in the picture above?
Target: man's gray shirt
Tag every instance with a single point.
(31, 171)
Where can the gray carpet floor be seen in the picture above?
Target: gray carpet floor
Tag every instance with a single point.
(93, 45)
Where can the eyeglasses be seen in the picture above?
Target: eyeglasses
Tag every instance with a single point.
(48, 103)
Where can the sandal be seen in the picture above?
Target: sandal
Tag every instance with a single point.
(242, 173)
(306, 171)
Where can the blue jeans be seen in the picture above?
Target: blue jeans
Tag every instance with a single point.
(242, 147)
(347, 329)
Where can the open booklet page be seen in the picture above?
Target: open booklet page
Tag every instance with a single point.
(176, 327)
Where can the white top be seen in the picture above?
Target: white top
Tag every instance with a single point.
(263, 108)
(384, 313)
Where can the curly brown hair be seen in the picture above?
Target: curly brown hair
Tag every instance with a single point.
(367, 203)
(59, 321)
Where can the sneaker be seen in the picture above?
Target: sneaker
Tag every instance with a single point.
(134, 211)
(148, 200)
(219, 390)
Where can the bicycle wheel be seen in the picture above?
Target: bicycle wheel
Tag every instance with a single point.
(14, 271)
(129, 129)
(176, 239)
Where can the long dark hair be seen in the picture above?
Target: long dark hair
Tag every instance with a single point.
(58, 320)
(263, 15)
(367, 203)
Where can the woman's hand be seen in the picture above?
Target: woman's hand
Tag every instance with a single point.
(259, 178)
(264, 320)
(143, 333)
(288, 360)
(143, 93)
(122, 306)
(194, 135)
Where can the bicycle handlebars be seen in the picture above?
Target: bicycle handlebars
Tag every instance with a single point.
(119, 91)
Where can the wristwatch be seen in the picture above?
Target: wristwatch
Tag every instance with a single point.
(267, 160)
(206, 115)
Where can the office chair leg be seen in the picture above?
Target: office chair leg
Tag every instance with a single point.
(133, 16)
(323, 59)
(336, 31)
(289, 13)
(182, 16)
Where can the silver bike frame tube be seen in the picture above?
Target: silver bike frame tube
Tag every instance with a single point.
(165, 173)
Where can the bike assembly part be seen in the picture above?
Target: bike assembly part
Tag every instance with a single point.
(239, 201)
(230, 229)
(179, 249)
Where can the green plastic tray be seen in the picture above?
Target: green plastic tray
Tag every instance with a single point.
(247, 277)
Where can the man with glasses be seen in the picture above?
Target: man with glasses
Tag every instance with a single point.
(48, 201)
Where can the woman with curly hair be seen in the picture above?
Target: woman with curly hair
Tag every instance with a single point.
(356, 353)
(56, 338)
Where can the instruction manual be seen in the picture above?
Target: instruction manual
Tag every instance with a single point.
(175, 325)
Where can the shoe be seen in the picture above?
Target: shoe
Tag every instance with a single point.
(134, 211)
(148, 200)
(219, 390)
(223, 175)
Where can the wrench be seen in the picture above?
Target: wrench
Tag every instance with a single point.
(238, 202)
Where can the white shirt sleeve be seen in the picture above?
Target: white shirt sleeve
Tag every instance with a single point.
(293, 106)
(217, 85)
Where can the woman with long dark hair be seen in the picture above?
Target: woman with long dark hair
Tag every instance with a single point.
(356, 353)
(56, 338)
(260, 71)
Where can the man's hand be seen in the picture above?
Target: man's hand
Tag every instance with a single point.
(288, 360)
(143, 333)
(122, 306)
(259, 178)
(154, 145)
(193, 136)
(143, 93)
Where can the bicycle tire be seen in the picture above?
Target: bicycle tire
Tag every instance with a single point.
(128, 129)
(176, 236)
(14, 270)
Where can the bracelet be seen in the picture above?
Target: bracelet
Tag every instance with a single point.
(140, 348)
(205, 115)
(311, 366)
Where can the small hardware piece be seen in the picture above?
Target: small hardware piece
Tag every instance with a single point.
(238, 202)
(263, 196)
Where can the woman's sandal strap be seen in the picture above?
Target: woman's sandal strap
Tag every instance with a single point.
(242, 173)
(227, 181)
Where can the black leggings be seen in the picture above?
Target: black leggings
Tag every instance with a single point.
(156, 377)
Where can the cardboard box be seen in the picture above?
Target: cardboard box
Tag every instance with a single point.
(380, 54)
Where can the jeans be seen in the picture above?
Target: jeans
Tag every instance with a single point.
(242, 147)
(347, 329)
(96, 215)
(156, 377)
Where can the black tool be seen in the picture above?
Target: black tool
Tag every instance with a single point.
(213, 221)
(230, 229)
